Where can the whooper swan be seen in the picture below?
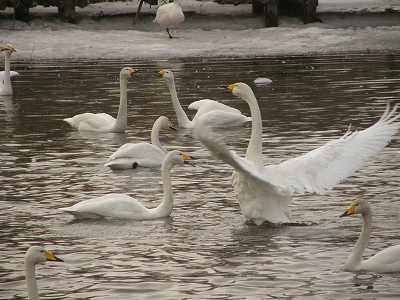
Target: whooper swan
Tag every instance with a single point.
(102, 122)
(6, 75)
(35, 255)
(169, 15)
(125, 207)
(385, 261)
(264, 192)
(218, 114)
(133, 155)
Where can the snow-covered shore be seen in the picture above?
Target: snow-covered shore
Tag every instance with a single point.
(105, 30)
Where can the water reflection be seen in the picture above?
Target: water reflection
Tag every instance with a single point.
(204, 250)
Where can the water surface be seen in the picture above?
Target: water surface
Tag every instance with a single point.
(204, 250)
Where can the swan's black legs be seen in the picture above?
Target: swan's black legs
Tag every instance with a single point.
(170, 36)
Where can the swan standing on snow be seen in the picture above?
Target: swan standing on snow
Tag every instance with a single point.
(218, 114)
(102, 122)
(131, 155)
(264, 192)
(169, 15)
(7, 74)
(35, 255)
(385, 261)
(124, 207)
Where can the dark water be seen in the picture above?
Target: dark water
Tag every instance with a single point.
(205, 250)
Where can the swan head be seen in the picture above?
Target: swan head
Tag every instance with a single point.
(166, 74)
(37, 254)
(358, 206)
(127, 72)
(240, 89)
(164, 123)
(176, 157)
(8, 49)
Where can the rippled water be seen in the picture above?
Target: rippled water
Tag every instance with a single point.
(205, 250)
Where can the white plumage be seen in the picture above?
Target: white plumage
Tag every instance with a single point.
(385, 261)
(264, 192)
(169, 15)
(103, 122)
(133, 155)
(125, 207)
(218, 114)
(6, 75)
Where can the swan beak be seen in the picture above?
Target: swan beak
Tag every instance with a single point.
(132, 72)
(50, 256)
(187, 159)
(172, 128)
(9, 48)
(162, 72)
(231, 87)
(350, 211)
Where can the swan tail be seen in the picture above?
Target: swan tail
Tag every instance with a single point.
(79, 214)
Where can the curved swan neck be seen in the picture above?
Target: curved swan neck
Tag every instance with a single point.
(182, 118)
(355, 259)
(155, 134)
(164, 209)
(254, 149)
(31, 281)
(122, 117)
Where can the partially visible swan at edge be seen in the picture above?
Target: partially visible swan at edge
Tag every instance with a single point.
(218, 114)
(35, 255)
(125, 207)
(6, 75)
(385, 261)
(169, 15)
(264, 192)
(133, 155)
(103, 122)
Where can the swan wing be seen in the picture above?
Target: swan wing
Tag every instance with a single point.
(12, 74)
(92, 122)
(169, 14)
(321, 169)
(387, 260)
(221, 118)
(144, 154)
(110, 205)
(206, 105)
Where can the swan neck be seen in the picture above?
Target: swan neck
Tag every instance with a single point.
(31, 281)
(122, 117)
(7, 67)
(254, 149)
(182, 118)
(155, 135)
(164, 209)
(355, 259)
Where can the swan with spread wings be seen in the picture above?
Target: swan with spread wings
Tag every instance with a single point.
(265, 192)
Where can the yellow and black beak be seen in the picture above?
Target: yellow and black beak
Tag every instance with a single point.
(349, 211)
(162, 72)
(9, 48)
(231, 87)
(132, 72)
(50, 256)
(187, 159)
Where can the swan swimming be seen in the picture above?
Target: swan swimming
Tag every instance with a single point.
(264, 192)
(123, 206)
(133, 155)
(385, 261)
(102, 122)
(36, 255)
(6, 75)
(169, 15)
(218, 114)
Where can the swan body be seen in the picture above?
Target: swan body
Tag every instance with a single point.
(385, 261)
(222, 115)
(125, 207)
(264, 192)
(169, 15)
(36, 255)
(103, 122)
(6, 75)
(133, 155)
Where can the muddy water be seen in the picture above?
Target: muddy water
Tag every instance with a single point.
(204, 250)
